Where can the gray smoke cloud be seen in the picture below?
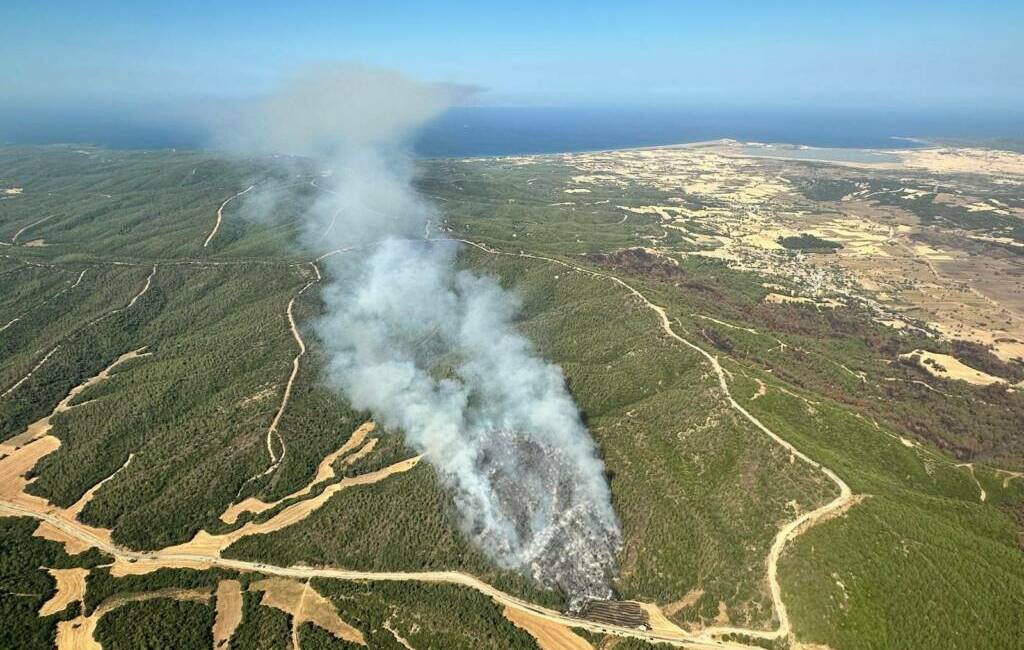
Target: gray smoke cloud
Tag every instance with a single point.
(432, 350)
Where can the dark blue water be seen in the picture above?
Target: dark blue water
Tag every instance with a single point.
(106, 128)
(505, 131)
(487, 131)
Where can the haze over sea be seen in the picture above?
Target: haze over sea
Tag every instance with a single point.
(491, 131)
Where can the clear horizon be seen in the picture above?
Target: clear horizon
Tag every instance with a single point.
(567, 77)
(934, 55)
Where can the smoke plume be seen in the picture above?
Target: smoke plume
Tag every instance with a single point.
(432, 350)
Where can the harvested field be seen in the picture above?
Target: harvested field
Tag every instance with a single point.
(324, 472)
(229, 612)
(70, 589)
(305, 605)
(549, 635)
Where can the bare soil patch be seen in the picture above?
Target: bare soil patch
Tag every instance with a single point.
(70, 589)
(689, 600)
(944, 366)
(324, 472)
(305, 605)
(548, 634)
(229, 612)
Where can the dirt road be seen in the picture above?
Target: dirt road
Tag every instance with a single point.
(787, 532)
(198, 557)
(79, 531)
(272, 432)
(39, 365)
(220, 215)
(14, 239)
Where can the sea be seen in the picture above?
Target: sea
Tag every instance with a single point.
(502, 131)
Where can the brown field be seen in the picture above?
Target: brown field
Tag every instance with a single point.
(548, 634)
(305, 605)
(79, 633)
(229, 612)
(70, 589)
(324, 472)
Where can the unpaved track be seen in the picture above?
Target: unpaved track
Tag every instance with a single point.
(131, 303)
(79, 280)
(14, 239)
(398, 637)
(198, 561)
(272, 432)
(220, 215)
(47, 300)
(203, 558)
(145, 288)
(295, 369)
(78, 506)
(135, 298)
(34, 368)
(982, 495)
(787, 532)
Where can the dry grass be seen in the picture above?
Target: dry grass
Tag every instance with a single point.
(79, 633)
(229, 612)
(324, 472)
(305, 605)
(947, 367)
(548, 634)
(70, 589)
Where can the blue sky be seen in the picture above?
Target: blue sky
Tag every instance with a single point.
(869, 54)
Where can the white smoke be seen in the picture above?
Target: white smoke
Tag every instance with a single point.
(432, 350)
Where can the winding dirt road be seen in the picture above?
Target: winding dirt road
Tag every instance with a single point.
(79, 531)
(220, 215)
(272, 430)
(61, 524)
(14, 239)
(198, 557)
(787, 532)
(135, 298)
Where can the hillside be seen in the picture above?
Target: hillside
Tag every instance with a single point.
(805, 443)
